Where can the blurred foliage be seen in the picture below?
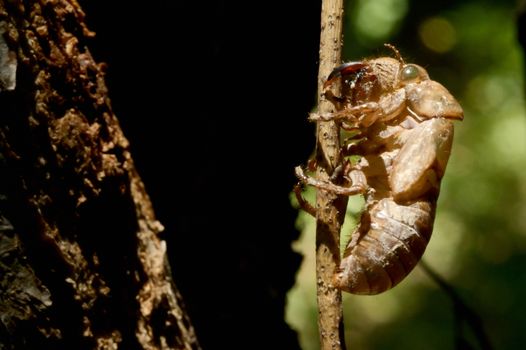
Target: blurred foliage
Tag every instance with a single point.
(479, 241)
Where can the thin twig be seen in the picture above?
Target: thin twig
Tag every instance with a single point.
(462, 312)
(330, 207)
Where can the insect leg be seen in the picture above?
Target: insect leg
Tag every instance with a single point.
(358, 185)
(335, 100)
(304, 204)
(354, 115)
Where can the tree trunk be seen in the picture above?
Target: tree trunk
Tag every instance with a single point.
(81, 265)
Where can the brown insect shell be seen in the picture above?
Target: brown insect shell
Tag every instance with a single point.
(379, 76)
(427, 151)
(387, 71)
(405, 172)
(429, 99)
(425, 98)
(397, 224)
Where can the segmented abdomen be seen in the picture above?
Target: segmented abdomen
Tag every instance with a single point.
(386, 246)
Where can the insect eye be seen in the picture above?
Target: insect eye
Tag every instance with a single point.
(409, 73)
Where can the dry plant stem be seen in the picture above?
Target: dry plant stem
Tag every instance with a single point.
(331, 208)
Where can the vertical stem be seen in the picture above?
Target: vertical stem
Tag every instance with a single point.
(331, 208)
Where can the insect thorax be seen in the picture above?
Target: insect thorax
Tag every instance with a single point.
(386, 70)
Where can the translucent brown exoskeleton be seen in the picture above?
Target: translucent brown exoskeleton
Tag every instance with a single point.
(403, 132)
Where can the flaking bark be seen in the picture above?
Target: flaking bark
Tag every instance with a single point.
(81, 265)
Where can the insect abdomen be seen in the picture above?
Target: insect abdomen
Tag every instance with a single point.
(389, 244)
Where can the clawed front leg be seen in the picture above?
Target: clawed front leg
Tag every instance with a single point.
(335, 100)
(358, 183)
(354, 117)
(304, 204)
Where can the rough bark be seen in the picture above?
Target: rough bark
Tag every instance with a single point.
(331, 208)
(81, 265)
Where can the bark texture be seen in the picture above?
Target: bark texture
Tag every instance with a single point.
(331, 208)
(81, 265)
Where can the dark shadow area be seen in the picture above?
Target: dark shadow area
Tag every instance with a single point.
(214, 98)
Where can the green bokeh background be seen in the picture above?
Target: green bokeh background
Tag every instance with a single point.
(479, 241)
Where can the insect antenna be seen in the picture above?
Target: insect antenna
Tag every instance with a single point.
(396, 52)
